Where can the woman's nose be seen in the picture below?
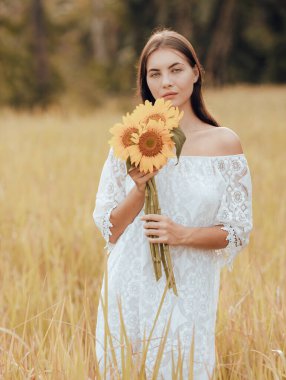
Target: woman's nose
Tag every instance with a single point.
(166, 81)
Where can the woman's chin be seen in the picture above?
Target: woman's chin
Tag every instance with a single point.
(177, 102)
(174, 102)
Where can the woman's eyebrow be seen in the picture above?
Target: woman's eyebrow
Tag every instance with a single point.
(173, 64)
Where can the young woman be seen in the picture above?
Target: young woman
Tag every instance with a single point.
(206, 203)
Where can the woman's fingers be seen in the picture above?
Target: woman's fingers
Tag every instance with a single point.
(150, 175)
(154, 217)
(132, 169)
(136, 170)
(151, 225)
(160, 239)
(135, 173)
(141, 178)
(153, 232)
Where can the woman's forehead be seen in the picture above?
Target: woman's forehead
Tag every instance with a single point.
(164, 57)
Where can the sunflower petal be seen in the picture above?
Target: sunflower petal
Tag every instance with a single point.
(148, 136)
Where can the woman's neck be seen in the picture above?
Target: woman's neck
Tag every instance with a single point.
(190, 122)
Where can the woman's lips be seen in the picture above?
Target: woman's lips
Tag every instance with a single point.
(170, 95)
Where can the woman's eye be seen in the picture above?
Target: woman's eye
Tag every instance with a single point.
(156, 75)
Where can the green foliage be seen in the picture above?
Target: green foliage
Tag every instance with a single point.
(88, 49)
(179, 139)
(23, 63)
(20, 87)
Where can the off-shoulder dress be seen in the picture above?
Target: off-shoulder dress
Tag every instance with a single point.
(199, 191)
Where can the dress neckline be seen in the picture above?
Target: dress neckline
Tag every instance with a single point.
(222, 156)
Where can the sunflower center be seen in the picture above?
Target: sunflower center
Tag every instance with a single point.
(150, 143)
(157, 117)
(126, 138)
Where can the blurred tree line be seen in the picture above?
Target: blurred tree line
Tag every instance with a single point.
(88, 48)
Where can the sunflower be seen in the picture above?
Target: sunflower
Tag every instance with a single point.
(121, 139)
(160, 110)
(153, 145)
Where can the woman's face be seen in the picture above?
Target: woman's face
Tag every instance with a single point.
(170, 76)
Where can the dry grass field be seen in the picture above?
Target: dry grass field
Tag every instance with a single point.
(52, 255)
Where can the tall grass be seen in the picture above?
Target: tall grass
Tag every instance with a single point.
(52, 257)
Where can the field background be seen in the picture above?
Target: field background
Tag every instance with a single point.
(52, 255)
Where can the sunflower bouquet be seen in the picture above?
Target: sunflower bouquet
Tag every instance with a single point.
(146, 138)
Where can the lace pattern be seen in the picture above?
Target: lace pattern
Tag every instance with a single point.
(235, 212)
(106, 224)
(212, 191)
(111, 191)
(232, 236)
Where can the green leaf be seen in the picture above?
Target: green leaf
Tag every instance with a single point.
(179, 139)
(128, 164)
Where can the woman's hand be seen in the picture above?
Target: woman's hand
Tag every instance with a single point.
(140, 178)
(165, 230)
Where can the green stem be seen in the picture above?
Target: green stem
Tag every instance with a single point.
(160, 252)
(165, 266)
(154, 196)
(155, 245)
(171, 274)
(154, 252)
(167, 263)
(147, 211)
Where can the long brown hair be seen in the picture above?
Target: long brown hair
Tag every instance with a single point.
(166, 38)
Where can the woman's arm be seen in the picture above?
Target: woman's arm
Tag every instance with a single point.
(129, 208)
(125, 213)
(233, 223)
(113, 205)
(172, 233)
(205, 237)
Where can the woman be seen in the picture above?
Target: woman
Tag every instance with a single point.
(206, 203)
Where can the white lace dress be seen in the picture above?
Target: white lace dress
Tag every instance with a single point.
(199, 191)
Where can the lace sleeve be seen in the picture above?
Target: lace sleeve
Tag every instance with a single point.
(235, 211)
(111, 191)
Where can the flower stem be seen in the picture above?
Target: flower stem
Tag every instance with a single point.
(153, 204)
(154, 254)
(165, 252)
(171, 277)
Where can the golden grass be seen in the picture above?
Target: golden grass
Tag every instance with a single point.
(52, 255)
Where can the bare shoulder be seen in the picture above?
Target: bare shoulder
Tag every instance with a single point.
(225, 141)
